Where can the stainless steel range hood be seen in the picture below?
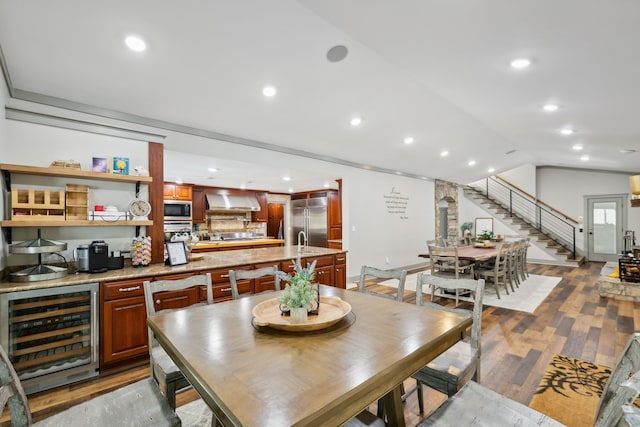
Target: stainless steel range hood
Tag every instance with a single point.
(219, 202)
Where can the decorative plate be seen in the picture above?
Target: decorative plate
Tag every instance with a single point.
(332, 310)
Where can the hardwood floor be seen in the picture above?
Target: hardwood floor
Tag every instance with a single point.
(516, 346)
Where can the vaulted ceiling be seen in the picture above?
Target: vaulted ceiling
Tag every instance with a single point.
(435, 71)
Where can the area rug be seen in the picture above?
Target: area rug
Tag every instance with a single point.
(526, 298)
(195, 414)
(570, 390)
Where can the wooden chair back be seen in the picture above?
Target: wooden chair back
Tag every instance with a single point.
(11, 393)
(368, 272)
(235, 275)
(623, 386)
(153, 287)
(424, 281)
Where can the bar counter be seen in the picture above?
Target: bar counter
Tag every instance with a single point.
(202, 261)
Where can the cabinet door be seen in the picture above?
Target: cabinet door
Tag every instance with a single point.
(123, 330)
(183, 192)
(262, 215)
(324, 275)
(341, 271)
(262, 284)
(199, 206)
(168, 191)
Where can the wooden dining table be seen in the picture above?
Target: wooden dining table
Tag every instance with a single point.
(259, 376)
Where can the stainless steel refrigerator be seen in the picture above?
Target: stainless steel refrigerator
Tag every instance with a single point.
(310, 216)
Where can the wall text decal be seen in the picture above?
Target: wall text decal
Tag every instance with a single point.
(396, 203)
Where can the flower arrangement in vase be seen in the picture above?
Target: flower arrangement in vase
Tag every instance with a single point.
(300, 296)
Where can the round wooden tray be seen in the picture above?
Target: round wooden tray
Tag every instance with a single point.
(332, 310)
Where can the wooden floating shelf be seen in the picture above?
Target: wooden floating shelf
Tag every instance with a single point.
(73, 173)
(72, 223)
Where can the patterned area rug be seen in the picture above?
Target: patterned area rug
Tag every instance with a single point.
(570, 390)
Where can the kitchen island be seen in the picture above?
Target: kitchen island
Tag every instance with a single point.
(225, 245)
(122, 311)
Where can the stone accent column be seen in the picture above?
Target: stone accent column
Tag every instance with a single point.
(447, 191)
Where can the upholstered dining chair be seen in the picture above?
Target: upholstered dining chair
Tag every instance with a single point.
(178, 294)
(448, 372)
(368, 272)
(445, 262)
(138, 404)
(269, 280)
(476, 405)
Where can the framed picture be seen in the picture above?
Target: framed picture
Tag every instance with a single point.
(100, 164)
(483, 224)
(120, 165)
(176, 253)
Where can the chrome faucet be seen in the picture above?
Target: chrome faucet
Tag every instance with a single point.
(300, 241)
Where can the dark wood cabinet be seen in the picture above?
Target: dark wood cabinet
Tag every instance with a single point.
(123, 327)
(263, 214)
(123, 314)
(177, 192)
(340, 274)
(198, 206)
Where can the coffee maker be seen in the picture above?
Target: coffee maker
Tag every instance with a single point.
(98, 256)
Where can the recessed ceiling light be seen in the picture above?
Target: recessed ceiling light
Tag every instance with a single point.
(567, 131)
(550, 108)
(491, 170)
(179, 181)
(444, 153)
(243, 186)
(135, 43)
(326, 185)
(212, 169)
(577, 147)
(409, 140)
(472, 163)
(286, 178)
(520, 63)
(269, 91)
(356, 121)
(290, 190)
(584, 158)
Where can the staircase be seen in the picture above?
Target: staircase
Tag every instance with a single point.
(555, 236)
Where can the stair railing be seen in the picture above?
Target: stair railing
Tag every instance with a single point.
(539, 215)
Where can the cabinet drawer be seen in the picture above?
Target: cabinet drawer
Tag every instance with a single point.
(341, 259)
(224, 290)
(222, 276)
(122, 289)
(323, 261)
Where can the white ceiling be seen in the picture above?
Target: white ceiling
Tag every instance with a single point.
(436, 70)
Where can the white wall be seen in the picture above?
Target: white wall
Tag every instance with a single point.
(379, 234)
(39, 145)
(565, 189)
(523, 177)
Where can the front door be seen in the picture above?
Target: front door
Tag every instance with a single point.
(606, 221)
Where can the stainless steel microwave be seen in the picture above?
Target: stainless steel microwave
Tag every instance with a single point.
(177, 211)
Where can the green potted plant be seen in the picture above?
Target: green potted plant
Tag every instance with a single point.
(484, 236)
(299, 292)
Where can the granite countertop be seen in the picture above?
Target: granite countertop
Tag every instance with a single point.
(209, 244)
(202, 261)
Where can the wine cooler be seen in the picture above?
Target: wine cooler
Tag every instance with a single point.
(51, 335)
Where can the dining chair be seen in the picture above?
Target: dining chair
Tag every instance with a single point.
(394, 274)
(259, 273)
(477, 405)
(445, 262)
(137, 404)
(453, 368)
(497, 274)
(163, 370)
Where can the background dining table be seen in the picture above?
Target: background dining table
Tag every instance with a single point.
(471, 253)
(260, 376)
